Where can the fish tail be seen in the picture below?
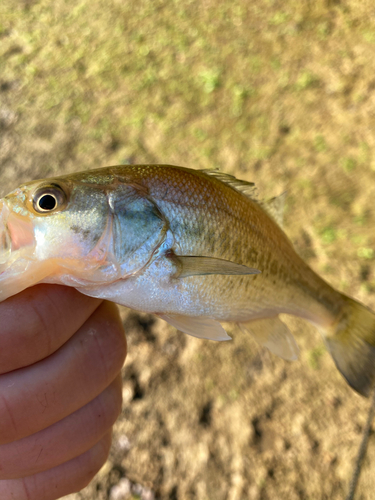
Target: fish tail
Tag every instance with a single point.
(351, 342)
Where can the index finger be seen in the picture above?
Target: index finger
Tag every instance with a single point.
(39, 320)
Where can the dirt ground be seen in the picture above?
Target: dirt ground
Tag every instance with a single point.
(279, 93)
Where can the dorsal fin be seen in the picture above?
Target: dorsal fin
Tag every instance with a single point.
(275, 208)
(245, 187)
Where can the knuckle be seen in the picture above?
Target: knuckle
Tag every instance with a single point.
(94, 460)
(118, 350)
(8, 427)
(111, 341)
(114, 405)
(39, 328)
(107, 407)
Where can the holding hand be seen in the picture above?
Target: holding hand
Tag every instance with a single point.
(61, 353)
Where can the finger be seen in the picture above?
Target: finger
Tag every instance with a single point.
(37, 321)
(33, 398)
(65, 440)
(59, 481)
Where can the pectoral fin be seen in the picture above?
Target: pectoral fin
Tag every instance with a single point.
(199, 266)
(273, 334)
(201, 327)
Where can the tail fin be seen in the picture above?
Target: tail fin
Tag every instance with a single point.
(351, 342)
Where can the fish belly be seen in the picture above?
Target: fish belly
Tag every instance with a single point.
(224, 298)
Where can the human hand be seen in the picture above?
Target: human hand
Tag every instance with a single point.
(61, 353)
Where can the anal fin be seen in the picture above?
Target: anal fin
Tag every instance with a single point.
(273, 334)
(201, 327)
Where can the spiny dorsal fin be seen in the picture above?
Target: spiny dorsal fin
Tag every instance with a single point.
(275, 208)
(245, 187)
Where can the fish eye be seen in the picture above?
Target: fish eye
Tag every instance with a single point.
(47, 202)
(48, 199)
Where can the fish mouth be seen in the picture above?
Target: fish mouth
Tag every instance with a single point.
(5, 247)
(5, 239)
(16, 233)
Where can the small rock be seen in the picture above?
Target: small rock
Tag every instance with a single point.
(123, 442)
(143, 492)
(122, 490)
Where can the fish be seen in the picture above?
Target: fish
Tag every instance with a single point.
(194, 247)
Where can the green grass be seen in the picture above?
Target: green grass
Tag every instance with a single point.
(315, 356)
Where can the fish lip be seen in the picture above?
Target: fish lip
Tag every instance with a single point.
(16, 234)
(5, 239)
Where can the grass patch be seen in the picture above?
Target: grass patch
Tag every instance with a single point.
(348, 164)
(328, 235)
(210, 80)
(320, 144)
(314, 357)
(365, 253)
(306, 80)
